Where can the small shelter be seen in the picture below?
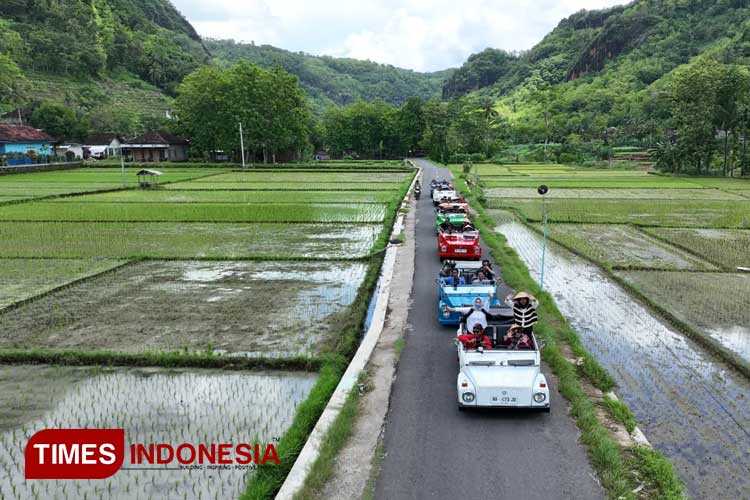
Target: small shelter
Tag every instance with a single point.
(148, 178)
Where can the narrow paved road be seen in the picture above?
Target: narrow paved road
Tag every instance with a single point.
(434, 451)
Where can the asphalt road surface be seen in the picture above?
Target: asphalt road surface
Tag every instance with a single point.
(434, 451)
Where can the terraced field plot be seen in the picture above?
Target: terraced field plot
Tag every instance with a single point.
(287, 186)
(24, 278)
(623, 246)
(315, 177)
(670, 213)
(727, 248)
(604, 181)
(714, 303)
(253, 308)
(627, 194)
(18, 186)
(199, 212)
(153, 406)
(265, 197)
(186, 240)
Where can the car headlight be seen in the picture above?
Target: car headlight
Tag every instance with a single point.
(443, 249)
(468, 397)
(477, 249)
(539, 397)
(446, 313)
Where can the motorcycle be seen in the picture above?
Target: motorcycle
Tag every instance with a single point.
(417, 190)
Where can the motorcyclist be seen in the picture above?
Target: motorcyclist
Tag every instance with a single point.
(476, 338)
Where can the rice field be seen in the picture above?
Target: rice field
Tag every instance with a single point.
(670, 237)
(623, 246)
(728, 248)
(730, 214)
(715, 303)
(248, 308)
(24, 278)
(153, 406)
(214, 265)
(193, 212)
(268, 197)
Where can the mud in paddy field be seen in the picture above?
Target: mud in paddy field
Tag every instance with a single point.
(153, 406)
(248, 308)
(690, 406)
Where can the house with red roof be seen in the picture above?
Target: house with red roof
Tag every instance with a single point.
(22, 140)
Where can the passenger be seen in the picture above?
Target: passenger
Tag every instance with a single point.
(517, 338)
(447, 269)
(446, 226)
(467, 227)
(524, 309)
(476, 314)
(454, 279)
(481, 279)
(476, 338)
(487, 270)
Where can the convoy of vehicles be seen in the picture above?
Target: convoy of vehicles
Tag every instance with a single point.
(495, 372)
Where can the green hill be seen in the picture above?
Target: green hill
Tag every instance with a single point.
(332, 80)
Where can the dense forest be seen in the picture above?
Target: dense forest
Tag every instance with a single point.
(332, 80)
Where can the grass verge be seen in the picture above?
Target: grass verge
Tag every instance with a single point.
(617, 468)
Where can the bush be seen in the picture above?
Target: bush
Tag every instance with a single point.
(467, 158)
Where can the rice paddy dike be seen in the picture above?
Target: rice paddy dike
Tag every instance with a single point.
(664, 308)
(159, 293)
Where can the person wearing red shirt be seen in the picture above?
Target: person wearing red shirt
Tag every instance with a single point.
(473, 340)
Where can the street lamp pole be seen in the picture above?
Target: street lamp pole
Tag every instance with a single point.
(542, 190)
(242, 147)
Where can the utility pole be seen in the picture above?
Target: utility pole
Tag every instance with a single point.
(242, 147)
(122, 166)
(542, 190)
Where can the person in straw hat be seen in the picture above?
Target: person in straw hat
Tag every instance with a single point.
(524, 309)
(517, 338)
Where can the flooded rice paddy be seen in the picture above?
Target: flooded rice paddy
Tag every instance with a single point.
(253, 308)
(153, 406)
(717, 303)
(691, 407)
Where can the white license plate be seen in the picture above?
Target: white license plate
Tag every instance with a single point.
(461, 250)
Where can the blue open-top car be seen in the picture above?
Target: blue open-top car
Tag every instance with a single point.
(464, 293)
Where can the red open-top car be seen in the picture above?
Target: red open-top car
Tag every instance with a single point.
(459, 245)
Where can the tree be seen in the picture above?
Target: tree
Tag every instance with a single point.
(58, 121)
(411, 123)
(13, 84)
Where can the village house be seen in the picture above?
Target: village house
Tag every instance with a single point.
(156, 146)
(21, 143)
(103, 145)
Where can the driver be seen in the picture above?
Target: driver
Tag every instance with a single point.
(516, 338)
(454, 279)
(476, 314)
(476, 338)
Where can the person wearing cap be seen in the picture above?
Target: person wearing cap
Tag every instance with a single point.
(476, 314)
(476, 338)
(524, 309)
(517, 338)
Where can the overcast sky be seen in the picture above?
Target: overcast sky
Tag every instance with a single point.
(423, 35)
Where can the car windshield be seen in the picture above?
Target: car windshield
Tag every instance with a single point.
(521, 362)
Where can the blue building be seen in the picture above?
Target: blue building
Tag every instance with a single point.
(18, 140)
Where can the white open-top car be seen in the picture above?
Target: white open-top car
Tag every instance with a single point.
(440, 195)
(501, 377)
